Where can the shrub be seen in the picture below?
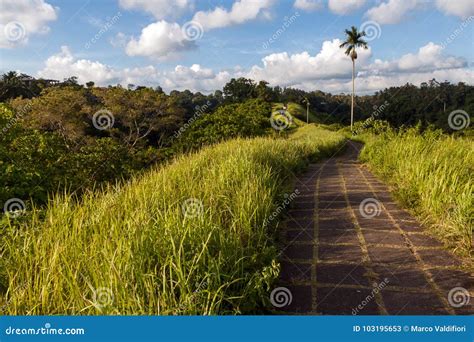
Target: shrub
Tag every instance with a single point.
(247, 119)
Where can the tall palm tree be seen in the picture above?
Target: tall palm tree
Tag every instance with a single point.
(353, 40)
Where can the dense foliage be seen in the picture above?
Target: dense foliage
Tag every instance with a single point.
(429, 104)
(60, 135)
(35, 163)
(139, 247)
(53, 142)
(60, 139)
(248, 119)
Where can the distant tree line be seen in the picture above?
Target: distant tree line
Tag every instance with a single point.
(61, 135)
(428, 104)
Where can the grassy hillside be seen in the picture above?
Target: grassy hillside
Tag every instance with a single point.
(188, 238)
(298, 112)
(432, 175)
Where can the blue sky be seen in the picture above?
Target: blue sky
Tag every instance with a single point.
(142, 42)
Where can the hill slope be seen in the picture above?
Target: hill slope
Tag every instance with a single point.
(189, 238)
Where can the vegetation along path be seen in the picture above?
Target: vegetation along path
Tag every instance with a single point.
(347, 248)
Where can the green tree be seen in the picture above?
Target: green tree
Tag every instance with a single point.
(239, 90)
(264, 92)
(64, 110)
(13, 85)
(142, 116)
(247, 119)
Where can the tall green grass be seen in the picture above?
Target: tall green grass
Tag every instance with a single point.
(131, 249)
(433, 175)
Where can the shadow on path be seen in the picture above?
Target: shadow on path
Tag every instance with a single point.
(348, 248)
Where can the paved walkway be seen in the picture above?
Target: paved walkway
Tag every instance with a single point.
(348, 248)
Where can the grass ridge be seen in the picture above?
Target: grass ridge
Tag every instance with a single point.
(131, 249)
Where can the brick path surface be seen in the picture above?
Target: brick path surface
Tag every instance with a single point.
(347, 248)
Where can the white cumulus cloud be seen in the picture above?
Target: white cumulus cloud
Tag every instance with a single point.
(160, 40)
(19, 19)
(64, 64)
(428, 58)
(344, 7)
(460, 8)
(393, 11)
(241, 11)
(159, 8)
(328, 70)
(309, 5)
(329, 63)
(195, 78)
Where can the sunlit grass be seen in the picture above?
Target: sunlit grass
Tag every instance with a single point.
(433, 175)
(297, 112)
(134, 247)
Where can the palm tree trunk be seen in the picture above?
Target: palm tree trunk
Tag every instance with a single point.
(353, 89)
